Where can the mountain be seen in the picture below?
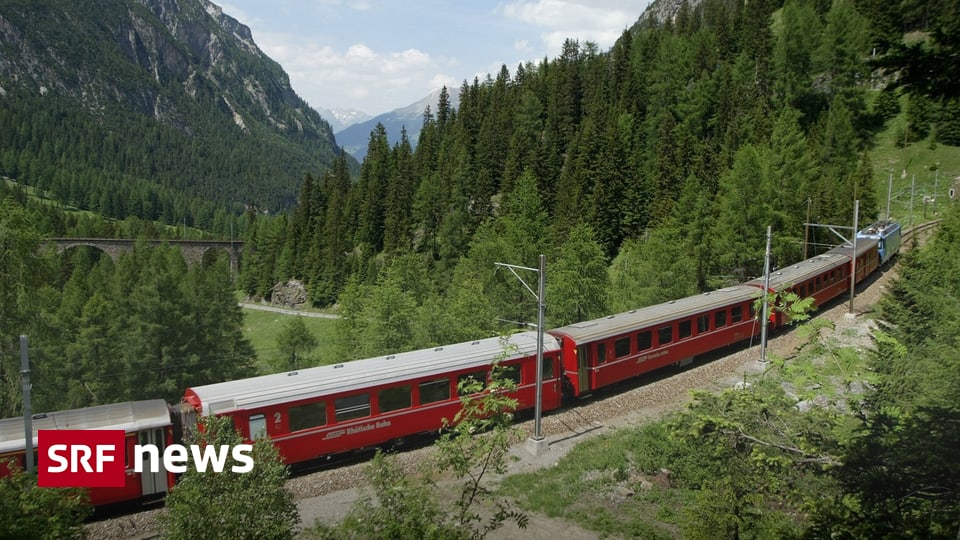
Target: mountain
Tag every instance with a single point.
(151, 107)
(660, 11)
(340, 119)
(354, 139)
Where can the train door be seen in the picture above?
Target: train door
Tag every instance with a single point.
(151, 482)
(583, 369)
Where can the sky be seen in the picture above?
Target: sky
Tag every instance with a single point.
(380, 55)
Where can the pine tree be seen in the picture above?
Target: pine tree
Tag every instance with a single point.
(578, 281)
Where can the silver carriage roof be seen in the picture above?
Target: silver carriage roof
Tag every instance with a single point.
(360, 374)
(636, 319)
(814, 266)
(129, 416)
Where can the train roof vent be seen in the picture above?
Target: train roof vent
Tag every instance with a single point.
(391, 357)
(611, 316)
(338, 366)
(293, 373)
(633, 311)
(438, 349)
(586, 324)
(673, 302)
(40, 416)
(475, 343)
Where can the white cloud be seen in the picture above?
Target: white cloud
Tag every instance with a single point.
(351, 53)
(599, 21)
(367, 76)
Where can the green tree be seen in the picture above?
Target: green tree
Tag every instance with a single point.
(900, 476)
(651, 270)
(474, 445)
(750, 459)
(29, 512)
(744, 202)
(397, 507)
(22, 272)
(793, 56)
(251, 505)
(577, 282)
(929, 67)
(295, 341)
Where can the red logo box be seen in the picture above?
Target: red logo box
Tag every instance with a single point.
(81, 458)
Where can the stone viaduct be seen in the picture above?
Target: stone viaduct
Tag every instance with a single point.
(193, 250)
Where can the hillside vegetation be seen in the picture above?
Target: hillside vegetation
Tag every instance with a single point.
(644, 173)
(161, 110)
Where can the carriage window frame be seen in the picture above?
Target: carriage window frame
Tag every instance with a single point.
(547, 372)
(684, 329)
(703, 323)
(665, 335)
(511, 372)
(479, 376)
(352, 407)
(395, 398)
(621, 347)
(720, 318)
(736, 314)
(644, 340)
(257, 424)
(434, 390)
(306, 416)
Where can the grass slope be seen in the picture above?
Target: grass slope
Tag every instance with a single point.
(263, 327)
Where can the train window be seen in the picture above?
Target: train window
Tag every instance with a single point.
(703, 324)
(685, 329)
(477, 376)
(644, 341)
(665, 335)
(307, 416)
(547, 368)
(816, 287)
(621, 347)
(720, 318)
(258, 426)
(432, 391)
(511, 373)
(391, 399)
(736, 314)
(350, 407)
(601, 353)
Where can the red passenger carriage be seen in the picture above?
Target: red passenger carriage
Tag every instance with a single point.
(603, 351)
(338, 408)
(144, 422)
(823, 277)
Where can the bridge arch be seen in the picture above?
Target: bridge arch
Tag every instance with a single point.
(193, 250)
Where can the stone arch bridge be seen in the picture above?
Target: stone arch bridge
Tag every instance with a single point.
(193, 250)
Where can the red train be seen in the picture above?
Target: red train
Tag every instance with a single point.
(144, 422)
(340, 408)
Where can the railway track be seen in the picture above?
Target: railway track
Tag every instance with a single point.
(921, 232)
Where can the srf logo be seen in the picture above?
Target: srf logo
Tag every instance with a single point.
(80, 458)
(97, 458)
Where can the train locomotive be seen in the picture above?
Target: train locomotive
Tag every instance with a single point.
(334, 409)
